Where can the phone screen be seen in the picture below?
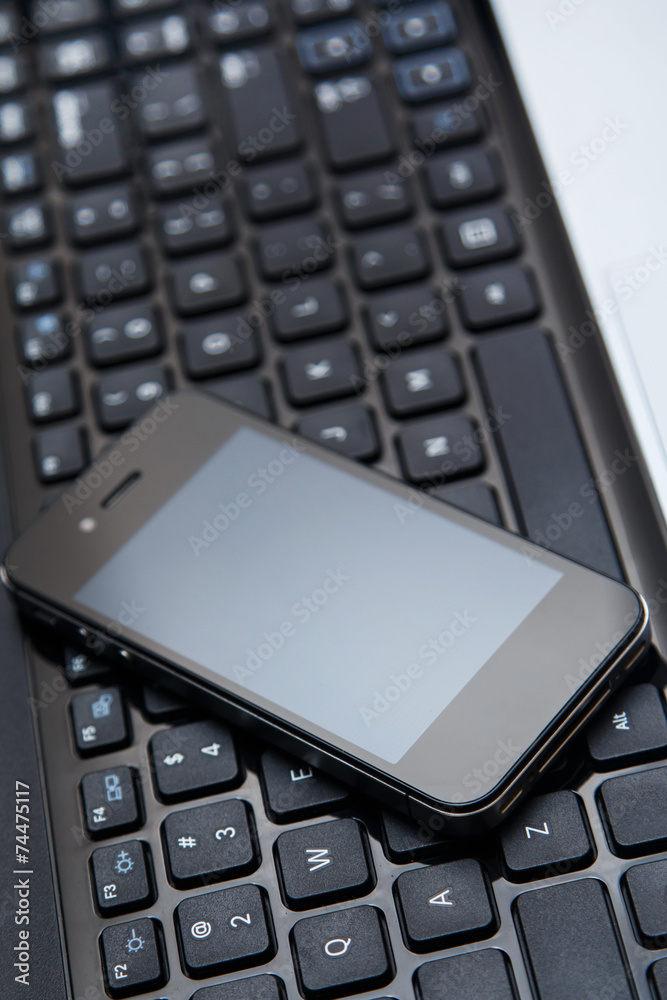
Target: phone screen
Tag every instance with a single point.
(331, 597)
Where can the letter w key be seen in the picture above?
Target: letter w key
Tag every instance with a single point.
(318, 858)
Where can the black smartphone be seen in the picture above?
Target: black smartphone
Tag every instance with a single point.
(420, 654)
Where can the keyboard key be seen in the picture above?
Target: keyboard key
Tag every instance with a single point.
(388, 257)
(353, 122)
(421, 26)
(476, 498)
(123, 395)
(440, 448)
(231, 23)
(160, 705)
(53, 394)
(342, 953)
(180, 166)
(498, 295)
(630, 729)
(115, 272)
(471, 976)
(103, 214)
(35, 283)
(111, 802)
(99, 721)
(294, 790)
(444, 905)
(43, 339)
(349, 429)
(331, 47)
(133, 956)
(122, 878)
(451, 123)
(547, 836)
(17, 121)
(326, 863)
(644, 888)
(511, 366)
(438, 73)
(27, 225)
(263, 115)
(246, 391)
(194, 760)
(124, 333)
(457, 178)
(658, 977)
(632, 806)
(311, 11)
(298, 247)
(571, 945)
(477, 237)
(225, 930)
(219, 344)
(60, 453)
(413, 315)
(80, 668)
(257, 987)
(20, 173)
(13, 72)
(66, 15)
(422, 380)
(210, 843)
(316, 305)
(323, 370)
(182, 227)
(283, 189)
(10, 24)
(404, 840)
(200, 284)
(82, 114)
(74, 58)
(144, 42)
(372, 198)
(175, 105)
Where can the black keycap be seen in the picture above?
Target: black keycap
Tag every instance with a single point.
(200, 284)
(263, 115)
(326, 863)
(91, 141)
(548, 836)
(193, 760)
(520, 375)
(257, 987)
(632, 806)
(67, 15)
(103, 214)
(80, 668)
(20, 173)
(570, 941)
(116, 272)
(176, 104)
(645, 892)
(476, 498)
(311, 11)
(99, 721)
(442, 124)
(371, 198)
(439, 73)
(10, 24)
(133, 957)
(477, 237)
(294, 790)
(124, 333)
(658, 977)
(219, 344)
(440, 448)
(53, 394)
(144, 42)
(186, 227)
(389, 256)
(230, 23)
(280, 189)
(421, 26)
(60, 453)
(331, 47)
(17, 121)
(122, 878)
(353, 122)
(413, 315)
(326, 369)
(123, 395)
(297, 247)
(74, 58)
(422, 380)
(160, 705)
(630, 729)
(225, 930)
(457, 178)
(27, 225)
(349, 429)
(35, 283)
(316, 305)
(342, 953)
(210, 843)
(180, 166)
(444, 905)
(498, 295)
(111, 802)
(43, 339)
(246, 391)
(485, 973)
(405, 840)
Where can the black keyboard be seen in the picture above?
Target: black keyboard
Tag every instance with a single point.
(312, 209)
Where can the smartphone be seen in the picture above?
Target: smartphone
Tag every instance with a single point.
(418, 653)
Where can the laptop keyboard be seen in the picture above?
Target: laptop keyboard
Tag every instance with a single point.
(306, 208)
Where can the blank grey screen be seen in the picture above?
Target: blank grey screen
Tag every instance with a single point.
(331, 597)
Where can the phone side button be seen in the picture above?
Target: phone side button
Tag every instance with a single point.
(548, 836)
